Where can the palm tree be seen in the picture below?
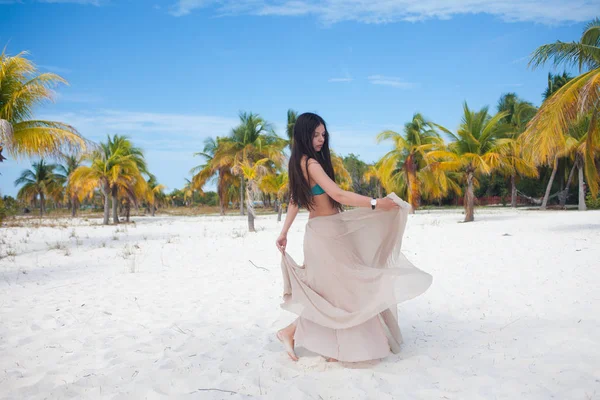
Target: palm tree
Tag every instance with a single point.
(373, 173)
(155, 195)
(112, 168)
(276, 184)
(555, 82)
(474, 151)
(130, 185)
(518, 114)
(400, 169)
(21, 89)
(251, 140)
(292, 116)
(252, 172)
(40, 182)
(341, 174)
(188, 192)
(576, 149)
(547, 134)
(70, 163)
(211, 168)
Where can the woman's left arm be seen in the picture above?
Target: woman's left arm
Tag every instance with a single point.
(292, 211)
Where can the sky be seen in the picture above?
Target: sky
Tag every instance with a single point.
(170, 73)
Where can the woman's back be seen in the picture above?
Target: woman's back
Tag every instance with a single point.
(322, 205)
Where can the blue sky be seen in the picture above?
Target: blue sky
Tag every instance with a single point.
(171, 73)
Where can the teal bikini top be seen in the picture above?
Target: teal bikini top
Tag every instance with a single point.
(317, 190)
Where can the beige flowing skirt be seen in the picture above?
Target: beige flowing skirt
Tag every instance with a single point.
(353, 276)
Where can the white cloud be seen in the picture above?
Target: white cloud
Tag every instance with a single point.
(155, 129)
(386, 11)
(78, 98)
(391, 81)
(340, 80)
(55, 69)
(169, 141)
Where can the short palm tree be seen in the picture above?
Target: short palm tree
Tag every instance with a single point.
(276, 184)
(70, 163)
(474, 151)
(401, 169)
(40, 182)
(22, 88)
(155, 195)
(342, 175)
(374, 173)
(112, 169)
(252, 172)
(214, 167)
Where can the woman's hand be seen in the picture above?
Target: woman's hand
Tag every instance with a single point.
(386, 204)
(281, 242)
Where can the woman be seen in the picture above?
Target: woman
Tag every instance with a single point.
(353, 274)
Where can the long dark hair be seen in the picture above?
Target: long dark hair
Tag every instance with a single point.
(304, 130)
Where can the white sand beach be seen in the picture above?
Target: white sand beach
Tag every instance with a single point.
(188, 307)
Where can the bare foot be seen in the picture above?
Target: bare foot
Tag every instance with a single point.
(288, 343)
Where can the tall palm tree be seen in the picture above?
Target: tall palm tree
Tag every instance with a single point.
(474, 151)
(22, 88)
(555, 82)
(401, 167)
(547, 134)
(518, 114)
(70, 163)
(576, 150)
(292, 116)
(112, 168)
(40, 182)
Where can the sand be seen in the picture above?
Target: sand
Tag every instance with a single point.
(188, 307)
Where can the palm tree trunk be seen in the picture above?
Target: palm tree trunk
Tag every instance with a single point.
(582, 206)
(242, 195)
(115, 209)
(564, 194)
(153, 209)
(413, 187)
(513, 189)
(280, 210)
(127, 210)
(42, 205)
(105, 191)
(549, 187)
(469, 199)
(74, 205)
(250, 207)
